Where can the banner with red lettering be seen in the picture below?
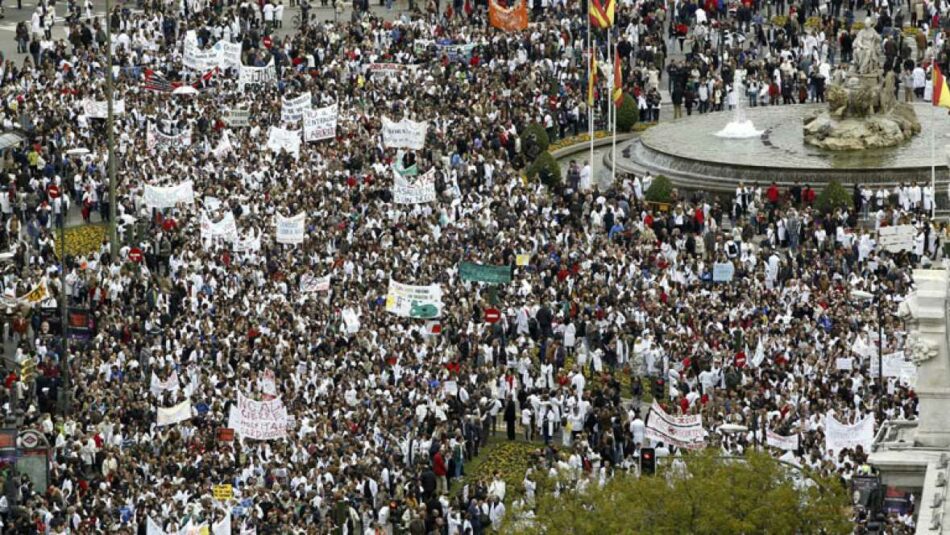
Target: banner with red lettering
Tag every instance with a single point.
(509, 19)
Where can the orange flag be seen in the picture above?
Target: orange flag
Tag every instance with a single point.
(941, 96)
(618, 81)
(509, 19)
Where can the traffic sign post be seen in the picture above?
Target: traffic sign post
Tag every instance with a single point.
(492, 315)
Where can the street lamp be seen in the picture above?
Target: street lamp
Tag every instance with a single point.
(867, 297)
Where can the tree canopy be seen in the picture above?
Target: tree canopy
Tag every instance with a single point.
(702, 494)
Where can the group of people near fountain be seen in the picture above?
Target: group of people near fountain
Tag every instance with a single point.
(380, 413)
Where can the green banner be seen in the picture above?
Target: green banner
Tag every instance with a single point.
(470, 271)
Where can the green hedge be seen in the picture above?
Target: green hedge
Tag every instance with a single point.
(833, 197)
(661, 190)
(627, 114)
(546, 168)
(536, 137)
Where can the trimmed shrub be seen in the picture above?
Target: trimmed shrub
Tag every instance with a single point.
(534, 140)
(627, 115)
(661, 190)
(832, 197)
(545, 168)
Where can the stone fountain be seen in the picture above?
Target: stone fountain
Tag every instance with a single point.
(863, 113)
(740, 127)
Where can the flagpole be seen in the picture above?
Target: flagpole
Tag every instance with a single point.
(590, 103)
(613, 143)
(933, 163)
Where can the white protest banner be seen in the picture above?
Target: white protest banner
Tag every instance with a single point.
(844, 363)
(254, 76)
(238, 118)
(839, 436)
(152, 527)
(99, 109)
(320, 123)
(269, 385)
(247, 244)
(258, 420)
(169, 196)
(781, 442)
(681, 431)
(391, 70)
(224, 146)
(311, 283)
(411, 301)
(156, 386)
(226, 229)
(173, 415)
(195, 58)
(723, 272)
(290, 230)
(414, 189)
(223, 526)
(893, 364)
(351, 320)
(897, 238)
(405, 134)
(451, 388)
(293, 109)
(229, 54)
(860, 347)
(157, 140)
(288, 140)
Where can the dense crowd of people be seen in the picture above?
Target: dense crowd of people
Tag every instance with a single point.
(607, 291)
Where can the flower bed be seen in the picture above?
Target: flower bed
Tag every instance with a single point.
(83, 240)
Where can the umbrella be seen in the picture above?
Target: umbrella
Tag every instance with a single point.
(185, 90)
(78, 152)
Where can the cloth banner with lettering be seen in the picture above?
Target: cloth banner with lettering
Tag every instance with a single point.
(681, 431)
(196, 58)
(229, 54)
(839, 436)
(154, 139)
(156, 386)
(169, 196)
(509, 19)
(294, 109)
(258, 420)
(224, 146)
(311, 283)
(225, 229)
(173, 415)
(470, 271)
(290, 230)
(405, 134)
(320, 123)
(280, 138)
(99, 109)
(248, 243)
(392, 70)
(38, 294)
(414, 189)
(254, 76)
(893, 364)
(784, 443)
(410, 301)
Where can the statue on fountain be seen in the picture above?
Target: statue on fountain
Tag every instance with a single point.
(863, 112)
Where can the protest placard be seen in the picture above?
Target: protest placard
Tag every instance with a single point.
(320, 123)
(470, 271)
(288, 140)
(789, 443)
(99, 109)
(839, 436)
(411, 301)
(893, 364)
(290, 230)
(311, 283)
(681, 431)
(157, 386)
(896, 238)
(258, 420)
(222, 492)
(351, 320)
(173, 415)
(225, 229)
(522, 259)
(168, 196)
(723, 272)
(229, 54)
(254, 78)
(196, 58)
(237, 118)
(293, 109)
(154, 139)
(391, 70)
(414, 190)
(405, 134)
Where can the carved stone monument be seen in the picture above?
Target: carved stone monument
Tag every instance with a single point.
(863, 113)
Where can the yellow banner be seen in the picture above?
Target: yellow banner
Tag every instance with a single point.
(222, 492)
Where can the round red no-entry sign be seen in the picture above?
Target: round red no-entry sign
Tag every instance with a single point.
(135, 255)
(492, 315)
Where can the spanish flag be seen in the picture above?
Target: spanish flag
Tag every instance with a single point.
(618, 81)
(941, 96)
(602, 15)
(591, 77)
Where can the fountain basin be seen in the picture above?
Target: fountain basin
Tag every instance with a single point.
(739, 130)
(688, 152)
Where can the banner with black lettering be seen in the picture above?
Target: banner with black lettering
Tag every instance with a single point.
(293, 109)
(405, 134)
(320, 123)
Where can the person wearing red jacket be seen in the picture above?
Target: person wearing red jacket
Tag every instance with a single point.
(772, 195)
(440, 469)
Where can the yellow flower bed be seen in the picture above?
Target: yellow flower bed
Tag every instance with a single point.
(511, 458)
(82, 240)
(779, 20)
(573, 140)
(813, 22)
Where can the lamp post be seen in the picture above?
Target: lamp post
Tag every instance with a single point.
(110, 130)
(868, 297)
